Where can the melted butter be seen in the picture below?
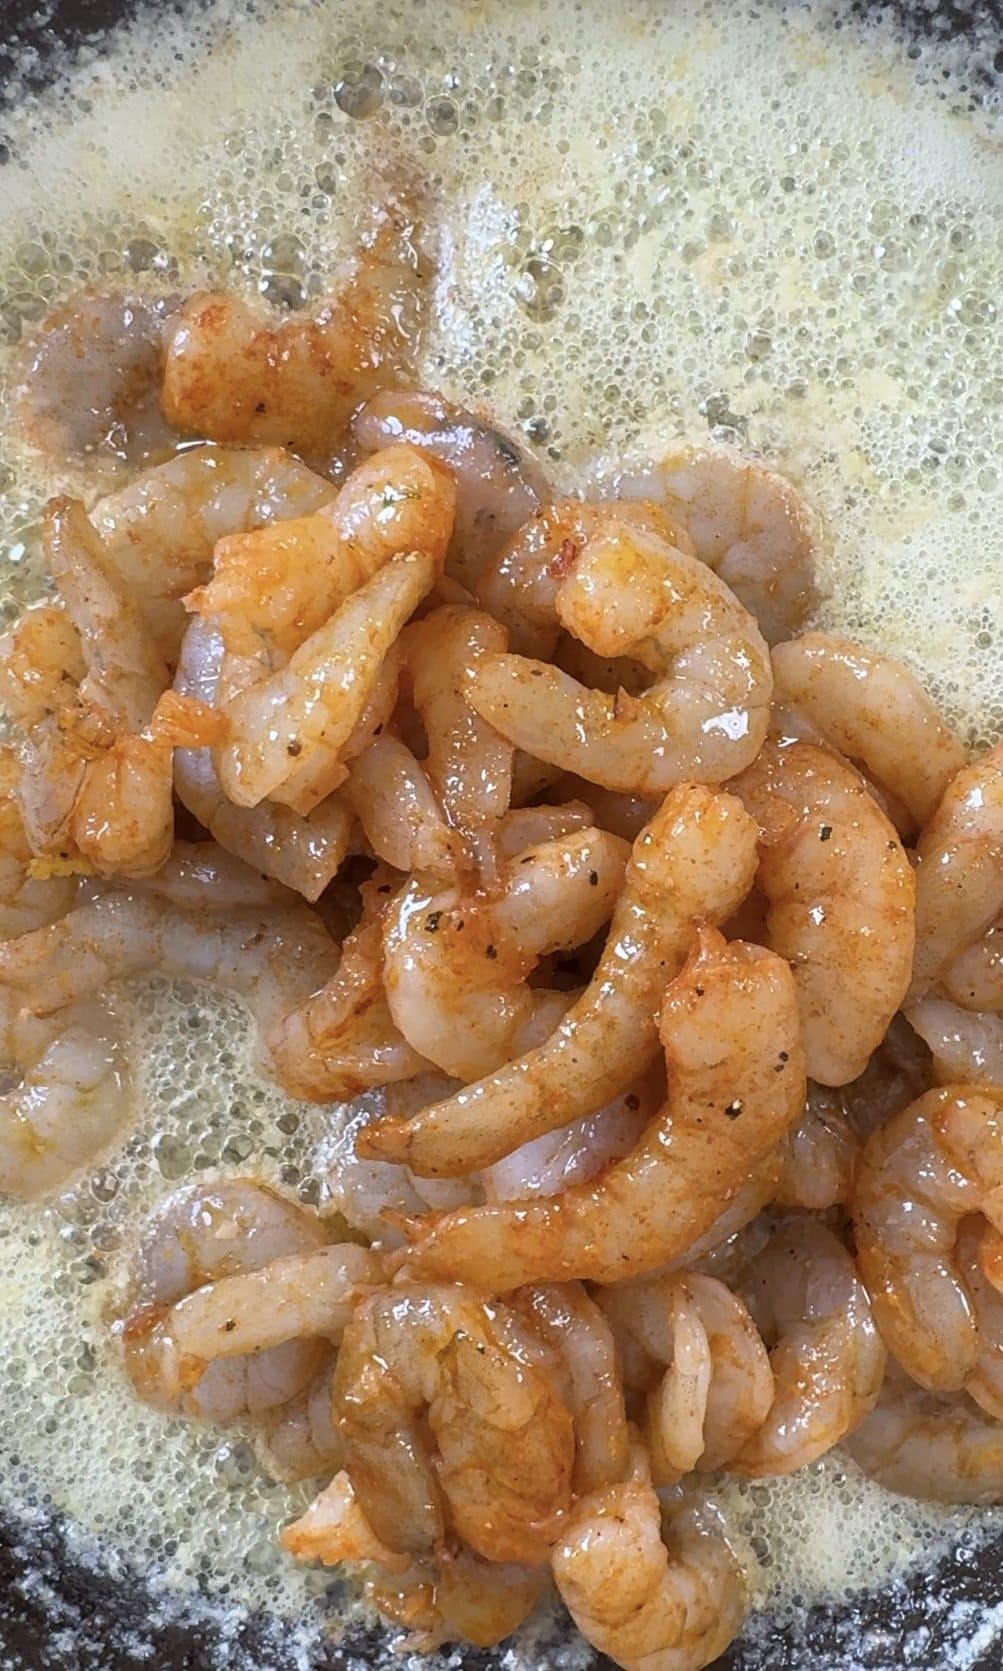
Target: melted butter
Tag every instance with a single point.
(708, 220)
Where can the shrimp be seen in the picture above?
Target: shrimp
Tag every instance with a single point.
(432, 1372)
(70, 1099)
(456, 964)
(975, 979)
(622, 815)
(747, 523)
(702, 1365)
(649, 1604)
(233, 375)
(199, 875)
(919, 1176)
(89, 381)
(626, 592)
(565, 1316)
(940, 1449)
(307, 710)
(827, 1358)
(694, 862)
(959, 875)
(874, 711)
(303, 853)
(205, 1234)
(574, 1153)
(819, 1154)
(160, 531)
(729, 1028)
(41, 664)
(390, 793)
(498, 486)
(840, 894)
(334, 1529)
(967, 1047)
(27, 900)
(298, 1440)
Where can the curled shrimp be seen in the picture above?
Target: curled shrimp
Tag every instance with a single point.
(826, 1355)
(456, 964)
(940, 1449)
(572, 1323)
(729, 1028)
(938, 1161)
(432, 1372)
(41, 664)
(959, 875)
(874, 711)
(71, 1098)
(233, 375)
(201, 876)
(390, 793)
(967, 1046)
(498, 486)
(299, 1441)
(575, 1153)
(974, 980)
(819, 1154)
(630, 593)
(747, 523)
(27, 900)
(694, 862)
(840, 894)
(652, 1599)
(697, 1355)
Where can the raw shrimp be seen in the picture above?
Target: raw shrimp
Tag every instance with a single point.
(299, 1441)
(746, 522)
(827, 1358)
(978, 1255)
(41, 664)
(627, 592)
(399, 812)
(160, 530)
(27, 900)
(697, 1354)
(456, 963)
(199, 875)
(303, 853)
(975, 978)
(308, 710)
(498, 486)
(564, 1315)
(959, 876)
(919, 1176)
(694, 862)
(527, 826)
(204, 1234)
(819, 1154)
(334, 1529)
(573, 1154)
(729, 1028)
(233, 375)
(874, 711)
(71, 1096)
(967, 1046)
(432, 1372)
(840, 893)
(622, 815)
(649, 1604)
(90, 379)
(937, 1449)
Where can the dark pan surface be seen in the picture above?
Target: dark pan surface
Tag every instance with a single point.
(60, 1611)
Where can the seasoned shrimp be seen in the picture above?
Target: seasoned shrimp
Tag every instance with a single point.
(819, 1154)
(432, 1373)
(334, 1529)
(627, 592)
(697, 1354)
(400, 814)
(919, 1176)
(840, 893)
(959, 876)
(975, 978)
(694, 862)
(874, 711)
(41, 664)
(232, 374)
(746, 522)
(71, 1096)
(89, 381)
(827, 1358)
(456, 963)
(939, 1449)
(199, 875)
(205, 1234)
(498, 485)
(27, 900)
(565, 1316)
(967, 1047)
(649, 1604)
(299, 1441)
(729, 1028)
(574, 1153)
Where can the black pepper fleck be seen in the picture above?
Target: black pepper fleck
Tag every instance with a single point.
(432, 921)
(825, 832)
(491, 952)
(633, 1101)
(230, 1325)
(734, 1109)
(294, 748)
(593, 879)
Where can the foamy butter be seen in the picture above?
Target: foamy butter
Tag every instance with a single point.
(706, 220)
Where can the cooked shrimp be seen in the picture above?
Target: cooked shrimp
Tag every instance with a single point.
(919, 1176)
(456, 963)
(432, 1373)
(874, 711)
(398, 810)
(649, 1604)
(959, 876)
(626, 592)
(694, 862)
(70, 1099)
(938, 1449)
(975, 978)
(564, 1315)
(334, 1529)
(840, 893)
(702, 1364)
(205, 1234)
(729, 1028)
(498, 486)
(233, 375)
(819, 1154)
(27, 900)
(967, 1047)
(310, 707)
(90, 379)
(747, 523)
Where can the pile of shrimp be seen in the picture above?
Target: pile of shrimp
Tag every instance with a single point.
(668, 930)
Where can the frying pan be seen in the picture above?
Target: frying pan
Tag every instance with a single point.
(62, 1610)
